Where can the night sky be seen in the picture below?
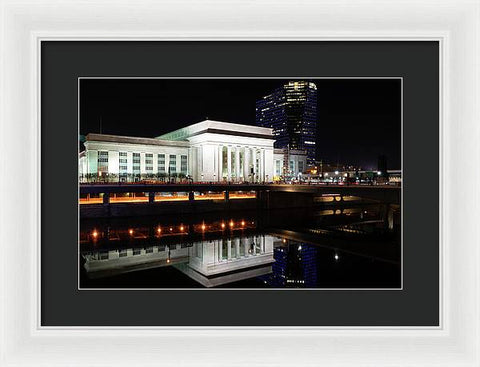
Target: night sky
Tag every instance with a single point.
(358, 119)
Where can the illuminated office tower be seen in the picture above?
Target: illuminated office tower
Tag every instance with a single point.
(291, 111)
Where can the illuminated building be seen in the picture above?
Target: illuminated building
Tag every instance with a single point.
(291, 112)
(211, 151)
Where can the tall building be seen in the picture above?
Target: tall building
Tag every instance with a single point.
(291, 111)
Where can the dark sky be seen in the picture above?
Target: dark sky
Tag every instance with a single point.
(358, 119)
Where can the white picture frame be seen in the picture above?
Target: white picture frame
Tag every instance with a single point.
(455, 24)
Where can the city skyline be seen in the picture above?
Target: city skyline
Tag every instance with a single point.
(358, 119)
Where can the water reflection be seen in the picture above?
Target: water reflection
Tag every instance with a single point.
(349, 248)
(202, 260)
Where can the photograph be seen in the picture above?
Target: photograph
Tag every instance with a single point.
(240, 183)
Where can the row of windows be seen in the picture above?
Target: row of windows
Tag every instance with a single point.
(161, 163)
(103, 162)
(136, 160)
(172, 167)
(136, 163)
(148, 157)
(148, 162)
(183, 163)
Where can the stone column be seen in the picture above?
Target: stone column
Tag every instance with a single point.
(142, 164)
(215, 252)
(220, 163)
(106, 198)
(229, 249)
(246, 158)
(261, 166)
(229, 163)
(254, 163)
(237, 164)
(167, 164)
(237, 247)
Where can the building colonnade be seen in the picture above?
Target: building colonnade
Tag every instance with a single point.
(240, 164)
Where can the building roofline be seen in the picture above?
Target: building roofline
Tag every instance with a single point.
(132, 140)
(218, 127)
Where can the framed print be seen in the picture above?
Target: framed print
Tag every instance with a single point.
(200, 185)
(242, 204)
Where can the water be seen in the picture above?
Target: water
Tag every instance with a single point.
(347, 247)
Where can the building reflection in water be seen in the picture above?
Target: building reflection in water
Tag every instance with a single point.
(210, 263)
(243, 253)
(295, 265)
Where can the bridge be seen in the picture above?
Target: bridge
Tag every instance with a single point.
(384, 193)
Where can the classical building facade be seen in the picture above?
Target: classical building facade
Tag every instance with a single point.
(206, 151)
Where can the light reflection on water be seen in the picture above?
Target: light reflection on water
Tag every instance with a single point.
(351, 249)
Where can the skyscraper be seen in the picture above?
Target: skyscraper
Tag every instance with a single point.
(291, 111)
